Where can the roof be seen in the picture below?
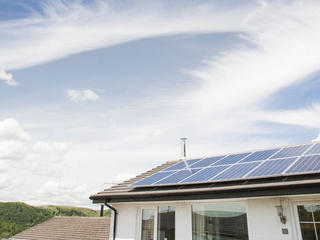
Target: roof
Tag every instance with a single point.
(66, 228)
(277, 184)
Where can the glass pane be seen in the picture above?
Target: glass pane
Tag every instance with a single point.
(221, 221)
(147, 229)
(166, 223)
(316, 213)
(318, 229)
(307, 231)
(305, 213)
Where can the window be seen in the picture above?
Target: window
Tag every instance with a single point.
(219, 221)
(147, 229)
(309, 220)
(166, 223)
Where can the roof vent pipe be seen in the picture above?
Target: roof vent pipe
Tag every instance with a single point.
(183, 148)
(184, 153)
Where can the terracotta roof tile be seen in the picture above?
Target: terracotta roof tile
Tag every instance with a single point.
(66, 228)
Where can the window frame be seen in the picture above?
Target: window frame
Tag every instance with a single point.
(175, 218)
(154, 206)
(155, 224)
(296, 215)
(220, 201)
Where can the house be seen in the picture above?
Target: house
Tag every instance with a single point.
(266, 194)
(68, 228)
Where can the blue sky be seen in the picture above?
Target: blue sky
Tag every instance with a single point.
(94, 92)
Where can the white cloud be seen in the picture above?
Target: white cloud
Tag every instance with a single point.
(65, 28)
(62, 192)
(6, 183)
(285, 52)
(45, 148)
(8, 78)
(23, 161)
(11, 130)
(307, 117)
(82, 95)
(13, 150)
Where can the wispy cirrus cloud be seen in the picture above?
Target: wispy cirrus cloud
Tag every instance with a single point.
(281, 55)
(64, 28)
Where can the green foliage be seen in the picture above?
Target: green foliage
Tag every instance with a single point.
(16, 216)
(75, 211)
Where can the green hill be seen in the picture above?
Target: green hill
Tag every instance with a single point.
(16, 216)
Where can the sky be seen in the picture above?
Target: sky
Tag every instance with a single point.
(94, 92)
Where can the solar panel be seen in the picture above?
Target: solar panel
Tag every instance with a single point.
(205, 174)
(291, 151)
(262, 163)
(260, 155)
(231, 159)
(272, 167)
(314, 150)
(182, 165)
(152, 179)
(236, 171)
(192, 161)
(305, 164)
(206, 162)
(177, 177)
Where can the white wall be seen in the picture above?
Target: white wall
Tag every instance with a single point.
(263, 221)
(126, 221)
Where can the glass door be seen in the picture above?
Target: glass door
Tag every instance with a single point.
(166, 223)
(147, 225)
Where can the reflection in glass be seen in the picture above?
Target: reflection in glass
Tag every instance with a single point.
(221, 221)
(305, 213)
(166, 223)
(307, 231)
(316, 213)
(309, 218)
(147, 229)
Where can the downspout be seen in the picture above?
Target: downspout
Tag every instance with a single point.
(114, 219)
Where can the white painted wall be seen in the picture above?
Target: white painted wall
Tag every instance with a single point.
(263, 221)
(126, 221)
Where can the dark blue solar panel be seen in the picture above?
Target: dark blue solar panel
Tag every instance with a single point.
(181, 165)
(297, 159)
(177, 177)
(236, 171)
(305, 164)
(291, 151)
(315, 149)
(260, 155)
(231, 159)
(272, 167)
(177, 166)
(190, 162)
(205, 174)
(152, 179)
(206, 162)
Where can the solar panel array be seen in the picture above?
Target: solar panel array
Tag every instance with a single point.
(291, 160)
